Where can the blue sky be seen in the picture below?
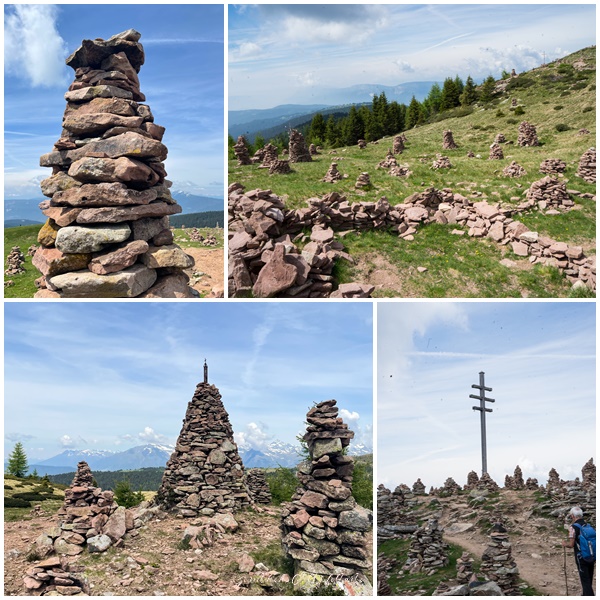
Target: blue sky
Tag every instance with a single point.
(182, 79)
(280, 54)
(539, 359)
(114, 375)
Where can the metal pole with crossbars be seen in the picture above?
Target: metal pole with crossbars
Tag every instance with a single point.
(482, 409)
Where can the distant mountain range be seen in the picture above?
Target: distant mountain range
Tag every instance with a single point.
(19, 211)
(275, 454)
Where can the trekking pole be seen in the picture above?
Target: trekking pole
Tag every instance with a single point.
(565, 569)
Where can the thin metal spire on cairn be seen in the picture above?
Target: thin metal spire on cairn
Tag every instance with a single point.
(205, 372)
(482, 409)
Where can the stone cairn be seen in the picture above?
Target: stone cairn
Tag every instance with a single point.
(441, 162)
(464, 568)
(205, 473)
(450, 487)
(32, 250)
(532, 484)
(55, 576)
(297, 148)
(496, 152)
(363, 181)
(400, 171)
(388, 162)
(427, 552)
(497, 563)
(553, 166)
(313, 150)
(258, 156)
(241, 152)
(514, 170)
(323, 528)
(398, 147)
(472, 480)
(527, 135)
(554, 484)
(362, 144)
(269, 156)
(588, 474)
(257, 485)
(418, 488)
(500, 139)
(107, 233)
(587, 166)
(15, 261)
(549, 193)
(393, 520)
(513, 102)
(448, 141)
(332, 174)
(280, 167)
(487, 483)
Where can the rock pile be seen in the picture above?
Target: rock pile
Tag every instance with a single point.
(464, 568)
(583, 131)
(498, 564)
(279, 167)
(472, 480)
(518, 482)
(32, 250)
(205, 473)
(258, 155)
(388, 162)
(363, 181)
(496, 152)
(514, 170)
(532, 484)
(553, 166)
(487, 483)
(418, 488)
(241, 152)
(500, 139)
(269, 156)
(400, 171)
(332, 174)
(450, 487)
(257, 485)
(427, 552)
(448, 141)
(587, 166)
(549, 193)
(385, 564)
(55, 576)
(362, 144)
(398, 146)
(527, 135)
(313, 150)
(393, 520)
(554, 484)
(588, 474)
(297, 148)
(441, 162)
(15, 261)
(323, 528)
(107, 233)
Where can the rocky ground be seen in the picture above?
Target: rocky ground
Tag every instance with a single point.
(208, 262)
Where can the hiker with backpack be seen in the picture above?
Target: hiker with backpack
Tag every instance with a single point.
(582, 538)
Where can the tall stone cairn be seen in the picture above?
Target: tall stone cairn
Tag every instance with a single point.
(554, 484)
(269, 155)
(496, 152)
(487, 483)
(472, 480)
(418, 487)
(297, 148)
(464, 568)
(205, 473)
(588, 474)
(527, 135)
(83, 476)
(497, 563)
(448, 142)
(398, 147)
(313, 150)
(427, 552)
(241, 152)
(323, 528)
(587, 166)
(450, 487)
(258, 487)
(107, 233)
(363, 181)
(518, 481)
(332, 174)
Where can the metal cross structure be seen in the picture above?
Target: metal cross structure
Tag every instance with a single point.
(482, 409)
(205, 372)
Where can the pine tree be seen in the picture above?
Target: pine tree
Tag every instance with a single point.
(332, 133)
(487, 89)
(125, 496)
(412, 113)
(17, 461)
(469, 94)
(450, 95)
(316, 133)
(396, 114)
(353, 127)
(434, 99)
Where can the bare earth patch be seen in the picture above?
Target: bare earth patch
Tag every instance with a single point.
(209, 261)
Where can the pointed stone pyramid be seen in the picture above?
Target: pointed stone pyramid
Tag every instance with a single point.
(205, 474)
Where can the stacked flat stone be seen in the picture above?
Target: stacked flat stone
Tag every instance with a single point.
(500, 139)
(388, 162)
(205, 473)
(393, 519)
(497, 563)
(527, 135)
(587, 166)
(398, 146)
(464, 568)
(269, 156)
(496, 152)
(550, 193)
(514, 170)
(588, 473)
(107, 233)
(363, 181)
(241, 152)
(332, 174)
(279, 167)
(257, 485)
(427, 552)
(487, 483)
(532, 484)
(313, 150)
(297, 148)
(518, 478)
(441, 162)
(258, 155)
(400, 171)
(385, 564)
(448, 141)
(323, 528)
(55, 576)
(472, 480)
(15, 261)
(554, 484)
(418, 488)
(362, 144)
(450, 487)
(553, 166)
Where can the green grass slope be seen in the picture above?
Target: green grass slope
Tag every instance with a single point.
(558, 99)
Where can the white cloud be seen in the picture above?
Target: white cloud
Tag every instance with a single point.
(248, 49)
(67, 442)
(255, 436)
(348, 416)
(404, 66)
(148, 436)
(18, 437)
(33, 48)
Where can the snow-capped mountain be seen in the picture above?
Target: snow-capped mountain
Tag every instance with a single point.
(72, 457)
